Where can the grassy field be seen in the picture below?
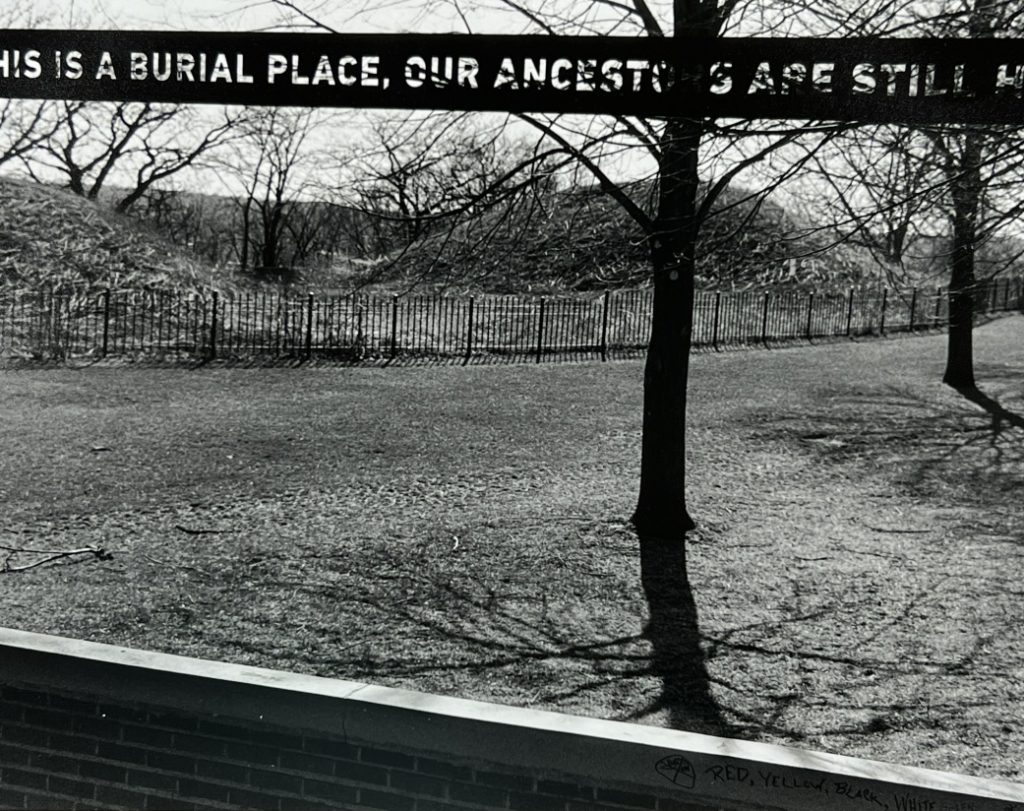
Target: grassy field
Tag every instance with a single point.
(857, 571)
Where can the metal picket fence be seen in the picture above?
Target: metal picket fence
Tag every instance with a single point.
(60, 323)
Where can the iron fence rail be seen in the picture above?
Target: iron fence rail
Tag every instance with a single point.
(54, 323)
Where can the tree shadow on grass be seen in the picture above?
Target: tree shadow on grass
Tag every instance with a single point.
(673, 631)
(1002, 418)
(947, 452)
(417, 617)
(673, 655)
(924, 639)
(456, 628)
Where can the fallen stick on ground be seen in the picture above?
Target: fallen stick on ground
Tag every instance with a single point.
(96, 551)
(899, 531)
(201, 531)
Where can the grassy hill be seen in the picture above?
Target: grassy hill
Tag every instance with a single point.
(48, 234)
(565, 240)
(581, 239)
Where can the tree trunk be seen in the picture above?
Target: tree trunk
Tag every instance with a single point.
(967, 189)
(76, 182)
(661, 507)
(966, 195)
(132, 197)
(243, 257)
(661, 518)
(960, 349)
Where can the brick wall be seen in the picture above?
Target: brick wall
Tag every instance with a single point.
(84, 725)
(58, 751)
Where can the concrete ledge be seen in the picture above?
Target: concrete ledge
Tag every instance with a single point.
(683, 766)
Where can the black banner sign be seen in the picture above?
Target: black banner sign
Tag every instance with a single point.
(899, 80)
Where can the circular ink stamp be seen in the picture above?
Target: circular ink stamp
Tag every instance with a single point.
(677, 769)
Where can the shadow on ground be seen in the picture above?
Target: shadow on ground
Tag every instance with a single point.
(673, 629)
(964, 448)
(493, 629)
(897, 620)
(1002, 418)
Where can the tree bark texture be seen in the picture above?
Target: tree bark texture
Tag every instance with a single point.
(966, 195)
(967, 189)
(661, 507)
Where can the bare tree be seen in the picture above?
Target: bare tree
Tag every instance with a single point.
(195, 221)
(129, 145)
(318, 231)
(24, 125)
(401, 174)
(669, 223)
(961, 156)
(892, 183)
(875, 188)
(424, 182)
(23, 128)
(271, 169)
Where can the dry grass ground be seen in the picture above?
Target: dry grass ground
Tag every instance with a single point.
(52, 236)
(857, 572)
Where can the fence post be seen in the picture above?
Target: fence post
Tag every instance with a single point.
(764, 319)
(849, 314)
(51, 319)
(885, 298)
(810, 313)
(280, 323)
(106, 320)
(469, 333)
(604, 326)
(540, 329)
(213, 328)
(938, 304)
(913, 308)
(394, 325)
(718, 311)
(309, 327)
(41, 319)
